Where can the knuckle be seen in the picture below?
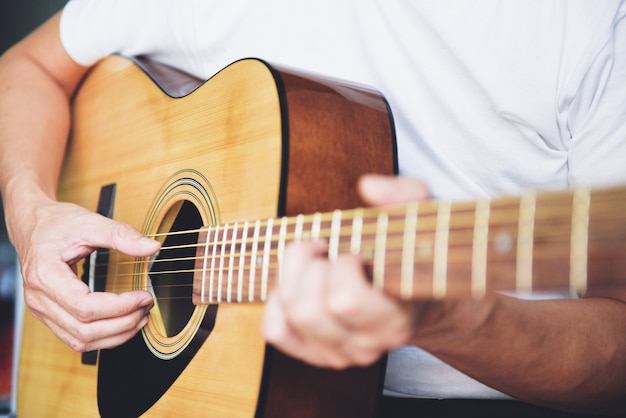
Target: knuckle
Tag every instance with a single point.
(82, 311)
(363, 349)
(77, 344)
(365, 354)
(132, 325)
(371, 353)
(365, 358)
(303, 317)
(30, 300)
(341, 305)
(120, 231)
(337, 363)
(119, 340)
(296, 311)
(81, 338)
(36, 314)
(274, 335)
(31, 279)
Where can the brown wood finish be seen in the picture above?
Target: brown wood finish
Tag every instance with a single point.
(315, 104)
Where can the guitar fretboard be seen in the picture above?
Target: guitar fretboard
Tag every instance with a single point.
(431, 250)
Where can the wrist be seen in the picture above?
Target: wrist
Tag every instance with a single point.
(21, 196)
(440, 325)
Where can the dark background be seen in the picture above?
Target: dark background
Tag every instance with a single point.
(17, 19)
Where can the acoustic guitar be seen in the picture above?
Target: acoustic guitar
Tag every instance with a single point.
(225, 173)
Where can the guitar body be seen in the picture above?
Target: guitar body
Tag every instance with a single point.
(252, 142)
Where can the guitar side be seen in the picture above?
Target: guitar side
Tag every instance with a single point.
(257, 140)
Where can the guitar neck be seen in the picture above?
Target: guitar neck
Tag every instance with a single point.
(433, 250)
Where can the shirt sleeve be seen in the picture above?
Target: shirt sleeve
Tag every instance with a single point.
(93, 29)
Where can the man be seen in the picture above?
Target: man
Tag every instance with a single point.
(489, 98)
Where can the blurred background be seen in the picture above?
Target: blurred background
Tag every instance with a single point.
(17, 18)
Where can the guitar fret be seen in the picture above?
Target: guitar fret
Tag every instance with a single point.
(380, 244)
(204, 265)
(335, 232)
(231, 261)
(213, 257)
(299, 228)
(579, 240)
(282, 237)
(253, 260)
(408, 250)
(479, 249)
(316, 226)
(525, 238)
(440, 258)
(221, 266)
(266, 257)
(242, 261)
(357, 231)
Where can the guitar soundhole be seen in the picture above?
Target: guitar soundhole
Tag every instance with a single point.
(171, 272)
(134, 376)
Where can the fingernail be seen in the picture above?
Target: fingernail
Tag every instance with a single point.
(143, 322)
(147, 305)
(149, 241)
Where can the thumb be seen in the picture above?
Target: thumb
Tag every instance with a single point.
(381, 190)
(122, 237)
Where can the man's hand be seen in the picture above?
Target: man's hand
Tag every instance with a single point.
(59, 235)
(327, 313)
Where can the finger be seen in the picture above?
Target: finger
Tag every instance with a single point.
(300, 296)
(278, 332)
(380, 190)
(369, 315)
(82, 335)
(275, 328)
(75, 297)
(104, 305)
(101, 232)
(306, 314)
(81, 318)
(111, 341)
(94, 335)
(297, 256)
(348, 291)
(294, 319)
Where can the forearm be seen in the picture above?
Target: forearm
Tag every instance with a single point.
(567, 354)
(34, 124)
(37, 80)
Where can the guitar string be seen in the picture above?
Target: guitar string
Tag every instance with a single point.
(427, 211)
(398, 219)
(367, 237)
(394, 258)
(396, 228)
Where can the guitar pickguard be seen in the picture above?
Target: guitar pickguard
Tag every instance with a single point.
(131, 378)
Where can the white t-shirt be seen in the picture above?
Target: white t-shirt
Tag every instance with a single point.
(489, 97)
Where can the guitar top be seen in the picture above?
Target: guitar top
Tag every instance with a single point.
(253, 142)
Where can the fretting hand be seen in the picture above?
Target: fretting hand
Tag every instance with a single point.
(327, 313)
